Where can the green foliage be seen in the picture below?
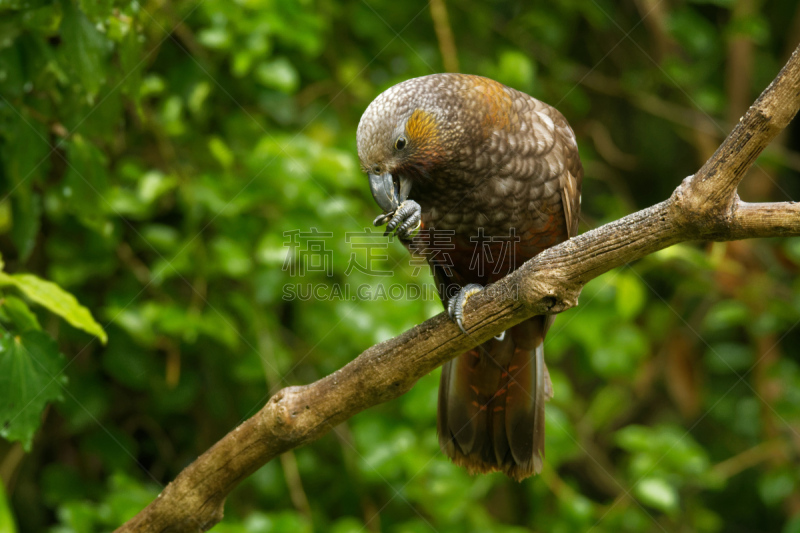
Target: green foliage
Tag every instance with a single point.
(30, 377)
(55, 299)
(156, 158)
(31, 367)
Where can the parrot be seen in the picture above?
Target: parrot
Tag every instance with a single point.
(498, 173)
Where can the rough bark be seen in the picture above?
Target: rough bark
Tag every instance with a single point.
(703, 207)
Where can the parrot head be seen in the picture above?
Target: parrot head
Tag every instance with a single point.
(404, 136)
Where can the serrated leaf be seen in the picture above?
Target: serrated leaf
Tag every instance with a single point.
(57, 300)
(30, 365)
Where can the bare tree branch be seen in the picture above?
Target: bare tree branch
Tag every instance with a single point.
(704, 206)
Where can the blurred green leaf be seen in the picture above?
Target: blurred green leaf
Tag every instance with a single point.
(516, 69)
(657, 493)
(609, 403)
(78, 516)
(26, 152)
(278, 74)
(215, 38)
(776, 486)
(753, 27)
(726, 314)
(30, 378)
(221, 152)
(620, 351)
(630, 295)
(17, 312)
(728, 357)
(84, 47)
(793, 525)
(27, 219)
(86, 184)
(692, 30)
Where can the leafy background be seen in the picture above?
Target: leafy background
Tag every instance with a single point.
(154, 154)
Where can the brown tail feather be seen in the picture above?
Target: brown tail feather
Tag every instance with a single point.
(491, 403)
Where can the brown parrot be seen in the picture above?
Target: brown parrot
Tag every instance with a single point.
(497, 172)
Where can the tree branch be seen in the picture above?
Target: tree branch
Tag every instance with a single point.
(702, 207)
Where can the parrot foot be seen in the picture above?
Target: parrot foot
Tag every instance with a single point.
(455, 307)
(404, 222)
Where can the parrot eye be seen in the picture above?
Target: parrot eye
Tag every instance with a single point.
(400, 143)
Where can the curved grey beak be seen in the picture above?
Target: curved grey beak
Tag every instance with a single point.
(389, 191)
(382, 188)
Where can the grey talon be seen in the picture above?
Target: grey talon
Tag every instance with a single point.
(451, 306)
(382, 219)
(455, 307)
(396, 219)
(408, 229)
(407, 216)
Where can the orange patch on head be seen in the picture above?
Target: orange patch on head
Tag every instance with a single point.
(421, 127)
(423, 133)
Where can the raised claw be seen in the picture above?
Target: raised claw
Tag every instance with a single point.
(406, 220)
(455, 307)
(382, 219)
